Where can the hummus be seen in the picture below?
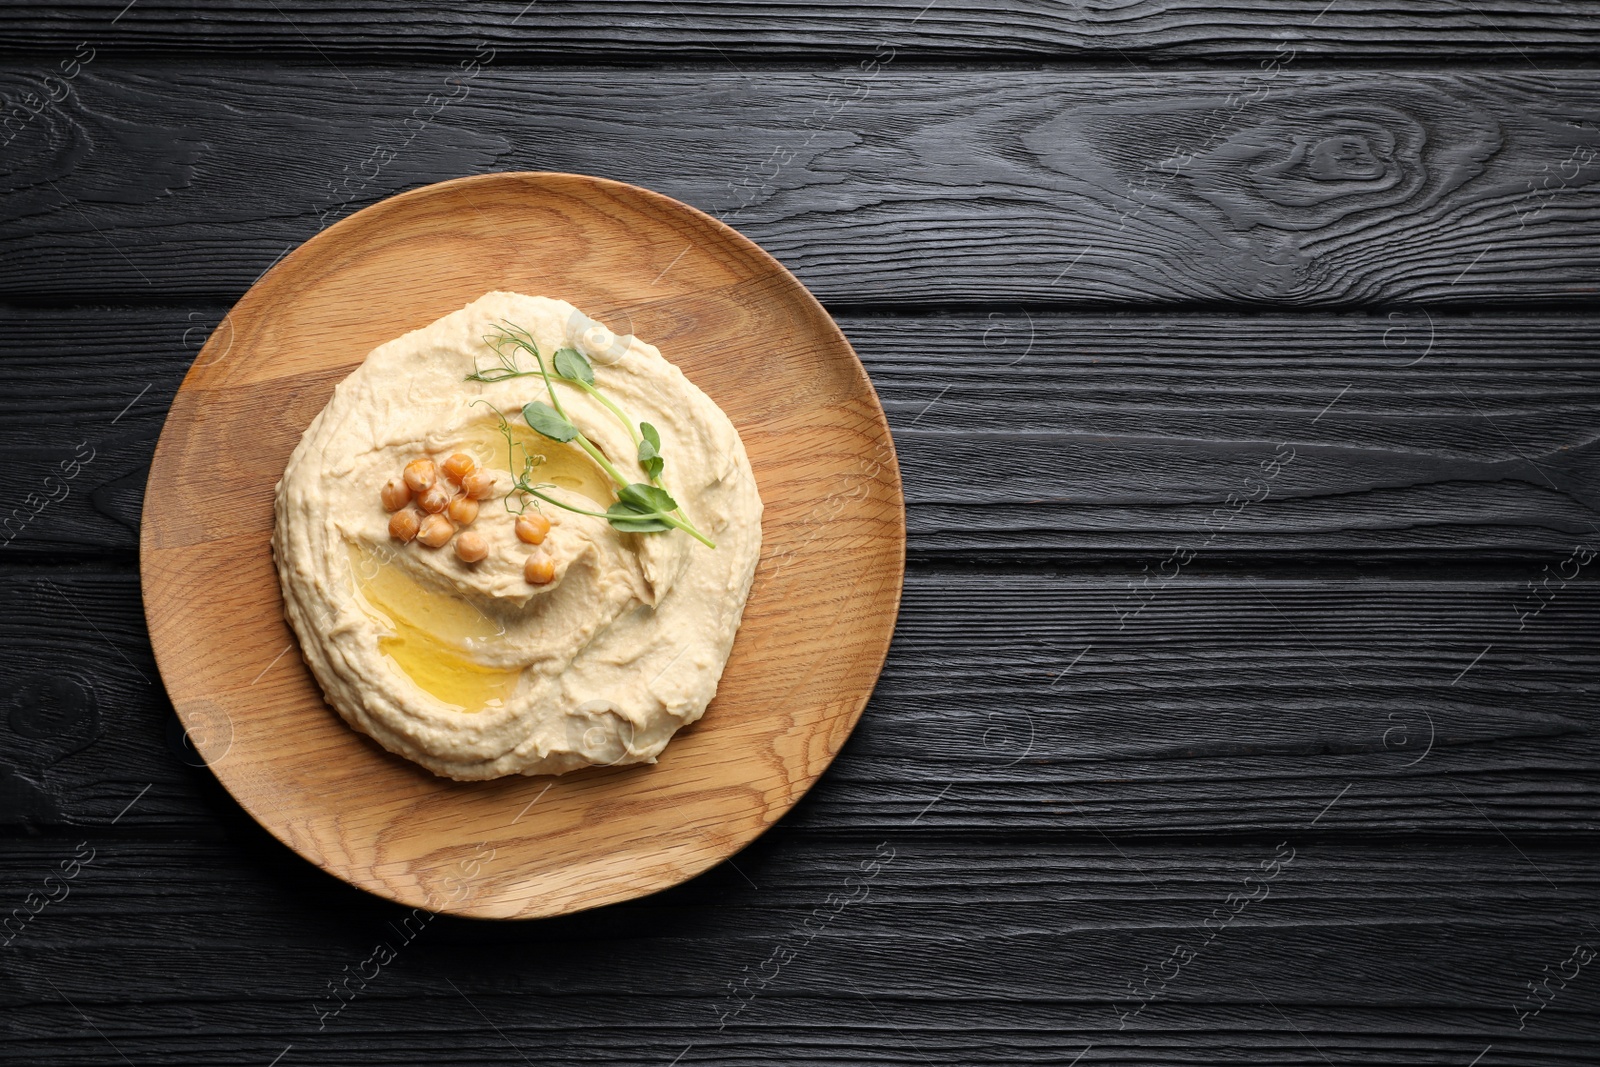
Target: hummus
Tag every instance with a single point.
(596, 651)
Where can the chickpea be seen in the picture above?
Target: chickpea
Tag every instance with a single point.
(532, 527)
(471, 547)
(462, 510)
(396, 494)
(458, 467)
(434, 499)
(540, 569)
(478, 484)
(435, 531)
(403, 525)
(421, 474)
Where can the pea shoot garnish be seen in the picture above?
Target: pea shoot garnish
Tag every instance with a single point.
(640, 507)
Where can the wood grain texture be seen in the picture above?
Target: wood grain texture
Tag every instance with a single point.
(1046, 437)
(1059, 824)
(580, 33)
(1273, 188)
(956, 949)
(833, 547)
(1231, 703)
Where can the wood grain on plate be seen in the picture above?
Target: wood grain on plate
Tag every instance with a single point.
(815, 631)
(922, 188)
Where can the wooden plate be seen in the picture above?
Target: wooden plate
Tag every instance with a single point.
(815, 631)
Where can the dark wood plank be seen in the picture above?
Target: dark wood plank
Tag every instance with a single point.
(931, 950)
(1073, 704)
(579, 33)
(1072, 438)
(1285, 187)
(1065, 438)
(1073, 757)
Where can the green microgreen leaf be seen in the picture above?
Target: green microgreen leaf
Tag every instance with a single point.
(642, 497)
(632, 520)
(650, 455)
(648, 432)
(571, 365)
(544, 419)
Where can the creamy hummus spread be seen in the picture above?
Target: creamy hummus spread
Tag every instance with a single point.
(481, 647)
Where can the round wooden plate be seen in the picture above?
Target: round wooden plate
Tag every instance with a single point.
(815, 631)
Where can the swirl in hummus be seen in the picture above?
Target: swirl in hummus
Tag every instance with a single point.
(481, 646)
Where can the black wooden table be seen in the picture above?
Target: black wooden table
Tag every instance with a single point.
(1242, 361)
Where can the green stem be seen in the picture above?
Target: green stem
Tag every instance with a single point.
(671, 518)
(683, 524)
(552, 500)
(592, 391)
(599, 457)
(522, 339)
(550, 388)
(663, 516)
